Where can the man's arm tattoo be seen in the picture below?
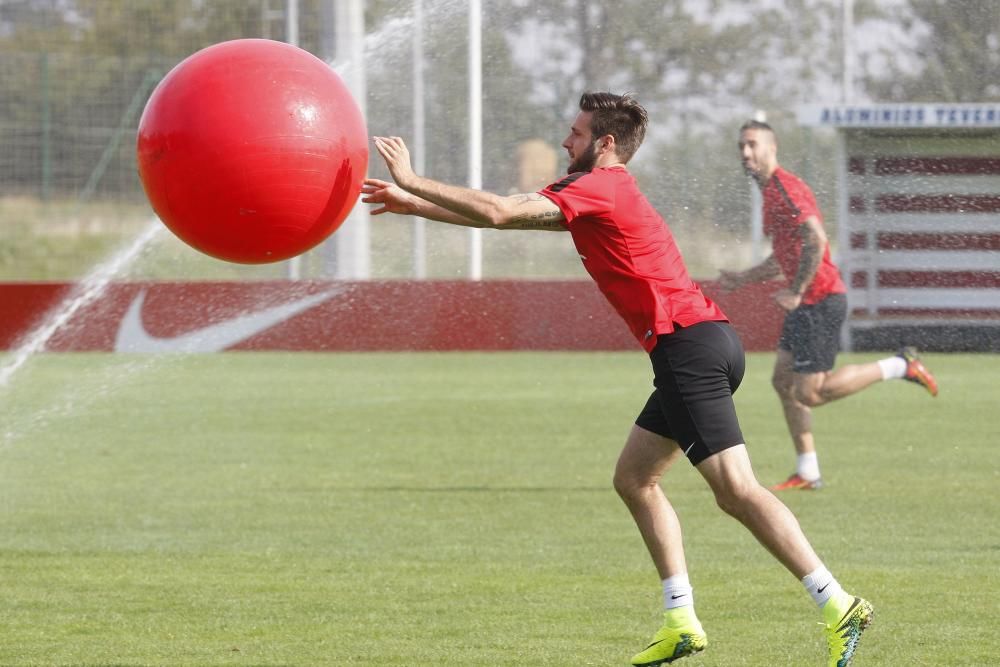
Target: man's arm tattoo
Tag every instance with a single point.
(528, 196)
(543, 217)
(811, 258)
(538, 224)
(543, 220)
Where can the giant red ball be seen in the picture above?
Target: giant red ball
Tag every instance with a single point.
(252, 151)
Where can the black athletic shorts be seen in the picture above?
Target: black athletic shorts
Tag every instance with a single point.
(812, 334)
(696, 369)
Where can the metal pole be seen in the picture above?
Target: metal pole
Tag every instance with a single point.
(475, 130)
(352, 240)
(46, 129)
(843, 195)
(292, 37)
(845, 260)
(757, 209)
(847, 39)
(292, 22)
(328, 53)
(419, 138)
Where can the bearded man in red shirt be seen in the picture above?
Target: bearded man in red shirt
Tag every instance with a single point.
(815, 300)
(696, 356)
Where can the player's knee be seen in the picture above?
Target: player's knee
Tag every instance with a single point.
(631, 487)
(782, 385)
(625, 485)
(728, 504)
(732, 498)
(810, 397)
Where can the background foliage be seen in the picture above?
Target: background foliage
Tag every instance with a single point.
(76, 73)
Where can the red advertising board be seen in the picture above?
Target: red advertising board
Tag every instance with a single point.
(148, 317)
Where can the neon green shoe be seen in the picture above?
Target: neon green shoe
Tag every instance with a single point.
(672, 643)
(843, 636)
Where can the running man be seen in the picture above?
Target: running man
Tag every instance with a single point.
(696, 356)
(815, 301)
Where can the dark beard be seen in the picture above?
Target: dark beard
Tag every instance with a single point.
(584, 162)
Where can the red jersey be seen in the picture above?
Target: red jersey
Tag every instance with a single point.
(630, 253)
(788, 201)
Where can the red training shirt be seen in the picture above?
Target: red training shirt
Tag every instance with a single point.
(630, 253)
(788, 201)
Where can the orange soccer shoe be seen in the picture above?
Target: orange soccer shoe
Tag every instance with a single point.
(916, 371)
(795, 482)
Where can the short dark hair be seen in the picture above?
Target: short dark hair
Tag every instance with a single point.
(758, 125)
(621, 116)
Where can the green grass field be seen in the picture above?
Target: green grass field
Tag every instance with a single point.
(456, 509)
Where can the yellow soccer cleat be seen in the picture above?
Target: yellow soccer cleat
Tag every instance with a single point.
(843, 636)
(672, 643)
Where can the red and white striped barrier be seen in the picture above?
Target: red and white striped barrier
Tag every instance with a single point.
(924, 236)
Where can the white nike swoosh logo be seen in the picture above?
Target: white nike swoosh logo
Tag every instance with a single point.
(133, 337)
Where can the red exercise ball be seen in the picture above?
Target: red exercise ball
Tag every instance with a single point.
(252, 151)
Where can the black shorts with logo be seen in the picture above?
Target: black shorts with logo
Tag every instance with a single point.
(812, 334)
(696, 369)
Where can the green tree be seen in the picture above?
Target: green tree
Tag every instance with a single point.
(700, 68)
(953, 54)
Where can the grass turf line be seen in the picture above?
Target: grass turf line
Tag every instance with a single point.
(421, 509)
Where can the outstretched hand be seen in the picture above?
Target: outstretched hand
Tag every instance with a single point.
(392, 197)
(397, 158)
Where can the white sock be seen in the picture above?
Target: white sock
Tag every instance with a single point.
(808, 466)
(892, 367)
(821, 585)
(677, 591)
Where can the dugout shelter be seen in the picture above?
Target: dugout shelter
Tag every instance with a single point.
(918, 234)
